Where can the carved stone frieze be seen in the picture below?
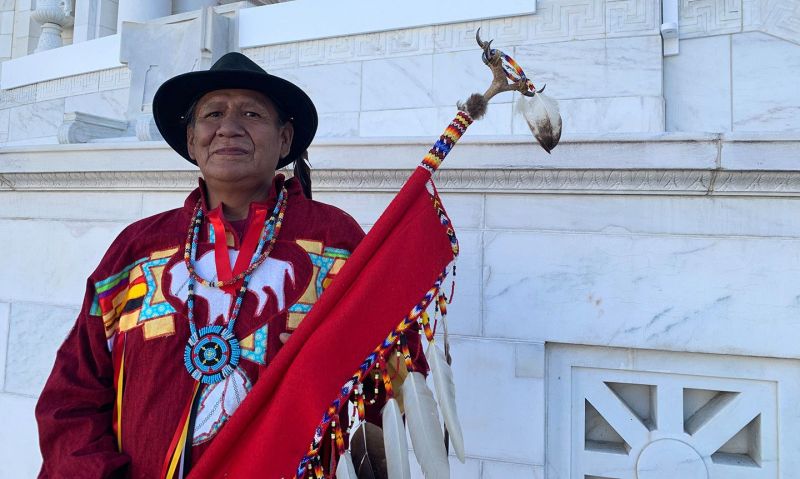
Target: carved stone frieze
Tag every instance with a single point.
(700, 18)
(523, 181)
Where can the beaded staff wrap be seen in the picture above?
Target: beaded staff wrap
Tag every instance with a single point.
(445, 143)
(431, 162)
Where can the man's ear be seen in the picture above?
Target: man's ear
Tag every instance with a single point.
(190, 141)
(287, 134)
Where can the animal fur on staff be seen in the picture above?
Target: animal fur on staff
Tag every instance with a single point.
(385, 287)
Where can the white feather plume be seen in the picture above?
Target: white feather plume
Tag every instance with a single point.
(543, 117)
(423, 426)
(446, 395)
(394, 441)
(345, 468)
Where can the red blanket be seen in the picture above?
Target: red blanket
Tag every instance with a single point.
(387, 275)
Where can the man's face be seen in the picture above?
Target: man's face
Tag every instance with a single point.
(237, 137)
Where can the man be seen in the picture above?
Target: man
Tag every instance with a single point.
(188, 307)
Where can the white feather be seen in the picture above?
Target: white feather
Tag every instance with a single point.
(345, 468)
(543, 117)
(394, 441)
(446, 394)
(423, 426)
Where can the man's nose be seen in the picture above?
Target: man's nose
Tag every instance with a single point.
(230, 125)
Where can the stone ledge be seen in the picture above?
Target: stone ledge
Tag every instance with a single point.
(527, 181)
(668, 163)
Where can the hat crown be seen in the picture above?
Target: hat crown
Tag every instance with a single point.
(235, 61)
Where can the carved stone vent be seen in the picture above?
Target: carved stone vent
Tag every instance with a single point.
(663, 415)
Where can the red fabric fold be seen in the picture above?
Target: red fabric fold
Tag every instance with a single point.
(387, 275)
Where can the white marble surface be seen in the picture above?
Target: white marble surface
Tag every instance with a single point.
(765, 73)
(471, 469)
(595, 68)
(490, 397)
(19, 456)
(497, 121)
(38, 277)
(604, 115)
(505, 470)
(333, 88)
(338, 125)
(83, 206)
(649, 291)
(390, 84)
(670, 215)
(5, 309)
(38, 330)
(400, 123)
(456, 75)
(36, 120)
(108, 104)
(699, 105)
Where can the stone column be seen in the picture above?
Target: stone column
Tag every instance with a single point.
(141, 11)
(53, 16)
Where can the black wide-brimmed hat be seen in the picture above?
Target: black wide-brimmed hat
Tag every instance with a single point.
(232, 71)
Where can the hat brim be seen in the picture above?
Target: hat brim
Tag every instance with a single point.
(176, 95)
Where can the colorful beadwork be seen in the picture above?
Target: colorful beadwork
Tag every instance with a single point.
(213, 352)
(445, 143)
(213, 355)
(369, 363)
(512, 70)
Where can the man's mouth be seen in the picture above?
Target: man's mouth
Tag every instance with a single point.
(231, 150)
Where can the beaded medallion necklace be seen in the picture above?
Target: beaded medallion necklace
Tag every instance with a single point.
(213, 352)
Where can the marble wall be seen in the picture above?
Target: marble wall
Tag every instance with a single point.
(655, 248)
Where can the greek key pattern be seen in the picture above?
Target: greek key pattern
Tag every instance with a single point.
(777, 17)
(709, 17)
(555, 20)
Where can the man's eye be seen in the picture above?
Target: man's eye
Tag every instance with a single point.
(213, 114)
(252, 114)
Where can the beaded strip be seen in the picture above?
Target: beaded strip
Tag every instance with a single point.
(271, 229)
(270, 232)
(445, 143)
(364, 369)
(512, 70)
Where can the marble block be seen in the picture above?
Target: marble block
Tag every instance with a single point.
(699, 105)
(333, 88)
(672, 215)
(5, 309)
(338, 125)
(36, 120)
(404, 82)
(410, 122)
(7, 23)
(457, 75)
(490, 398)
(109, 103)
(497, 120)
(506, 470)
(19, 456)
(5, 117)
(604, 115)
(80, 127)
(158, 202)
(681, 293)
(6, 43)
(37, 268)
(66, 205)
(765, 73)
(471, 469)
(595, 68)
(37, 331)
